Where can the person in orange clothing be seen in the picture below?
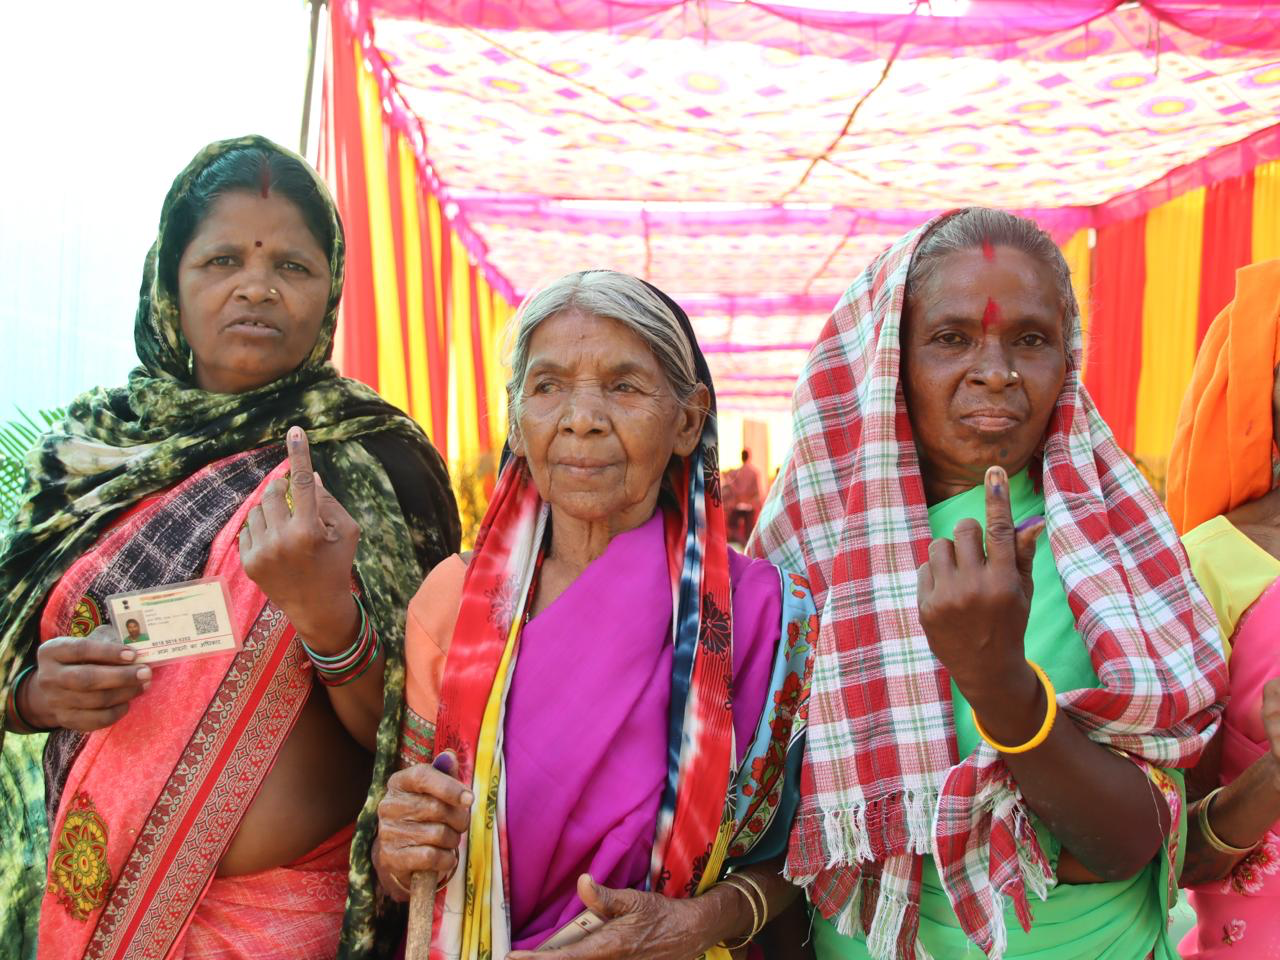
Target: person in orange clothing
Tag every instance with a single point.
(1224, 499)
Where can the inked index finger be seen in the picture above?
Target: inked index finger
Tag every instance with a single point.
(999, 527)
(301, 475)
(425, 779)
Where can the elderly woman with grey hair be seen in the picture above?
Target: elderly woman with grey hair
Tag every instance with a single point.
(604, 702)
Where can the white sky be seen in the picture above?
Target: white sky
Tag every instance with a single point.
(103, 104)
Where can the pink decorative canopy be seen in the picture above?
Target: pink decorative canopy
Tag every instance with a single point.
(750, 158)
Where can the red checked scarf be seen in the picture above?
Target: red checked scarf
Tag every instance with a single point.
(881, 785)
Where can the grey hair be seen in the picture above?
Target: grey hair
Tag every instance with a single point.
(974, 227)
(617, 296)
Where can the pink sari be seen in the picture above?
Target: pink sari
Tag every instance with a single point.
(151, 803)
(1239, 916)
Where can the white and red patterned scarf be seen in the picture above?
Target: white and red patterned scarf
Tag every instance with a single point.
(882, 785)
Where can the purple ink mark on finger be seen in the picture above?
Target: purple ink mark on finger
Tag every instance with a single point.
(1028, 523)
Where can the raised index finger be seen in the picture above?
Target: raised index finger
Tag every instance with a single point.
(301, 476)
(1000, 532)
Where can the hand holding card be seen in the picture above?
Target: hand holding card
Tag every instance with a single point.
(83, 683)
(302, 559)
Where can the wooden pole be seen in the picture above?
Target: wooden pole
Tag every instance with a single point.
(422, 905)
(311, 75)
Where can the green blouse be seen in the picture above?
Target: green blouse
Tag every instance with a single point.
(1123, 920)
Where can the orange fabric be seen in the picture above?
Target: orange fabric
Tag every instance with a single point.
(291, 911)
(433, 612)
(1222, 443)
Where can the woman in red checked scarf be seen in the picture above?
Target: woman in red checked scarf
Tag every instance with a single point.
(1014, 659)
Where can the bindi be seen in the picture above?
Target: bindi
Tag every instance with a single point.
(257, 243)
(991, 315)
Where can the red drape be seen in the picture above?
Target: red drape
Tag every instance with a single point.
(397, 236)
(359, 321)
(1228, 244)
(1115, 330)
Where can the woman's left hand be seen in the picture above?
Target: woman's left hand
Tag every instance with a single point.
(302, 559)
(974, 604)
(637, 925)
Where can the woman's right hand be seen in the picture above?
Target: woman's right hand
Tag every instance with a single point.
(83, 683)
(421, 821)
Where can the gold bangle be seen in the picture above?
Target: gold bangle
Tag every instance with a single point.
(759, 917)
(1211, 838)
(1050, 714)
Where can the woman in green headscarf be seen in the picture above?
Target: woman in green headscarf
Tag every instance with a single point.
(223, 805)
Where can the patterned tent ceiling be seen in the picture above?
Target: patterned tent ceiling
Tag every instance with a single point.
(750, 158)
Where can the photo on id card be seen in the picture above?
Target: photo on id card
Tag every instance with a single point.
(175, 621)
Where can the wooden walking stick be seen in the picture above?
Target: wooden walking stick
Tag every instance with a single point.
(422, 888)
(422, 906)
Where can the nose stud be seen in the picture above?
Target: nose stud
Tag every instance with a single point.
(1014, 375)
(275, 293)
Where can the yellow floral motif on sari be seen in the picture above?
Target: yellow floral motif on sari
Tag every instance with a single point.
(86, 618)
(78, 873)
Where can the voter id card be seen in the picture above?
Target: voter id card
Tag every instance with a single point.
(175, 621)
(576, 929)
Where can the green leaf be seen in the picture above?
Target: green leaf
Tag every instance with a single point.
(17, 436)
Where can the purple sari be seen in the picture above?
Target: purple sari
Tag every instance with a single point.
(586, 731)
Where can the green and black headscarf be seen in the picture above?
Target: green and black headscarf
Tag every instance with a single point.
(118, 445)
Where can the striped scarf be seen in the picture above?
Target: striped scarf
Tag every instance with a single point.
(881, 783)
(695, 824)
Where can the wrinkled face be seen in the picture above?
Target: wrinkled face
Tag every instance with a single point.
(253, 285)
(984, 361)
(599, 421)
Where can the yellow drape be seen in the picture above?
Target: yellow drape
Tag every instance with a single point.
(464, 436)
(392, 381)
(1266, 212)
(496, 364)
(1079, 256)
(419, 385)
(1170, 309)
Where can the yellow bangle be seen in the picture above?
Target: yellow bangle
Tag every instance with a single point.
(1211, 838)
(759, 917)
(1050, 714)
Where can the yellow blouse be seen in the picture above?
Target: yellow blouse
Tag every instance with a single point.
(1232, 570)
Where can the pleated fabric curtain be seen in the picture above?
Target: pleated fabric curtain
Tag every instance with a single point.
(421, 322)
(1227, 246)
(1154, 282)
(1173, 241)
(1115, 330)
(1078, 252)
(1266, 213)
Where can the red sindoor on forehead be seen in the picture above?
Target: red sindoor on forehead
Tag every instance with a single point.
(988, 249)
(991, 315)
(266, 180)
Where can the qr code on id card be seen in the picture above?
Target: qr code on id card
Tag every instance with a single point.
(205, 623)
